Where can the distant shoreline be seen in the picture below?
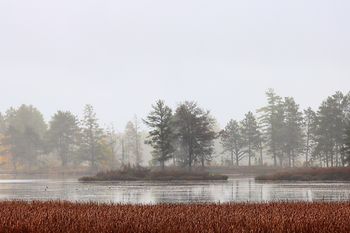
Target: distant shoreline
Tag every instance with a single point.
(309, 174)
(144, 174)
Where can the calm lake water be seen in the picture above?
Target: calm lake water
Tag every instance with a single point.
(233, 190)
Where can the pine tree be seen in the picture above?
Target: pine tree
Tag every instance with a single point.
(272, 121)
(24, 134)
(346, 149)
(132, 143)
(111, 145)
(250, 134)
(330, 131)
(232, 142)
(161, 134)
(206, 136)
(194, 133)
(138, 148)
(293, 134)
(62, 135)
(260, 146)
(342, 105)
(91, 137)
(309, 123)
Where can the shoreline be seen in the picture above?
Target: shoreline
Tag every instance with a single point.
(144, 174)
(334, 174)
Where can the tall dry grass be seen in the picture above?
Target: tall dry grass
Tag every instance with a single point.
(273, 217)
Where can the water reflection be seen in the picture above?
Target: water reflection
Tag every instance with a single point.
(233, 190)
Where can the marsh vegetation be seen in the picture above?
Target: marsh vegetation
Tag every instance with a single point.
(275, 217)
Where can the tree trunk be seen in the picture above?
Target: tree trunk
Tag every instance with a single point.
(190, 154)
(231, 158)
(281, 160)
(337, 157)
(332, 160)
(249, 154)
(190, 161)
(162, 164)
(307, 146)
(92, 160)
(123, 153)
(289, 159)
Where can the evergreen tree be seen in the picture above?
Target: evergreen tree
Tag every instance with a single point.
(346, 149)
(206, 136)
(129, 143)
(123, 153)
(250, 134)
(63, 135)
(342, 105)
(272, 121)
(309, 123)
(260, 146)
(330, 130)
(26, 116)
(111, 141)
(293, 134)
(25, 129)
(132, 143)
(161, 134)
(138, 139)
(107, 153)
(91, 137)
(194, 132)
(233, 142)
(3, 147)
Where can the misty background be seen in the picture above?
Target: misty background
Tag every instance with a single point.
(120, 56)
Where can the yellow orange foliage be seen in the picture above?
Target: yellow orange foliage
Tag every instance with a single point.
(4, 154)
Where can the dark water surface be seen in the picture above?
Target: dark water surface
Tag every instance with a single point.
(233, 190)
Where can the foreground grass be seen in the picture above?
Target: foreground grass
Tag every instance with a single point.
(273, 217)
(310, 174)
(130, 174)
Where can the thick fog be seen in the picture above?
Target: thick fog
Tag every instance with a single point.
(120, 56)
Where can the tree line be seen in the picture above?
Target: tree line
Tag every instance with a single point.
(27, 141)
(278, 134)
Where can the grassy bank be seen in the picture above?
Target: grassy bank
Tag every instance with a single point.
(243, 171)
(310, 174)
(130, 174)
(275, 217)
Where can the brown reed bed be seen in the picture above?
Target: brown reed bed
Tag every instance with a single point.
(17, 216)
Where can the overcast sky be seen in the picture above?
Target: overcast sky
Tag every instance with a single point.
(120, 56)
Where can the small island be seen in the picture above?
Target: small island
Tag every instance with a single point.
(309, 174)
(145, 174)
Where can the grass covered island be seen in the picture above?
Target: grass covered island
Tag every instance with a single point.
(309, 174)
(144, 174)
